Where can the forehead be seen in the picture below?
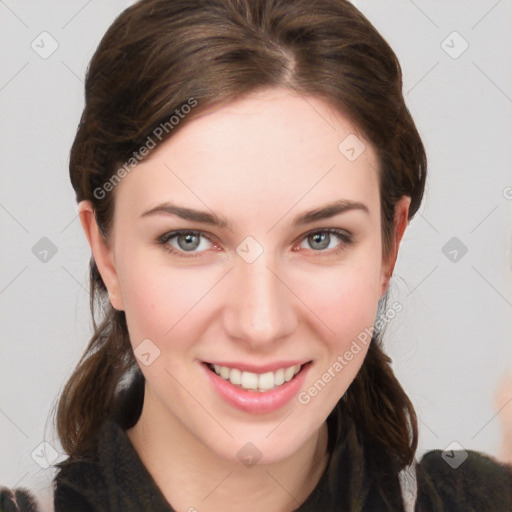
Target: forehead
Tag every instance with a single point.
(280, 121)
(271, 148)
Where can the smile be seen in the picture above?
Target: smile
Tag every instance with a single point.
(261, 382)
(257, 392)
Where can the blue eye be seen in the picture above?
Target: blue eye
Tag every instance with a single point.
(321, 240)
(188, 244)
(187, 241)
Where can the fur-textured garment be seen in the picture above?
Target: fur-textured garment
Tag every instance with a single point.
(114, 479)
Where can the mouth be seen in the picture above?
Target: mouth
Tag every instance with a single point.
(258, 382)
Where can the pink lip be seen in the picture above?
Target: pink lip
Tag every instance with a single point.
(271, 367)
(255, 402)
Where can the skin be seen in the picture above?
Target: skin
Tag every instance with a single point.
(257, 162)
(503, 407)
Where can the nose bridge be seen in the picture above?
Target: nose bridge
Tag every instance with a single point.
(261, 306)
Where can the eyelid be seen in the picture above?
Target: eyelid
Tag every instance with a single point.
(335, 231)
(173, 234)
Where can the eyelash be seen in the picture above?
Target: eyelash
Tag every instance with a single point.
(345, 238)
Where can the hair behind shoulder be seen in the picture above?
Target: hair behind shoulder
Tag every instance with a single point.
(160, 55)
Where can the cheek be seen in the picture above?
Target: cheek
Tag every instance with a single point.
(345, 298)
(157, 298)
(347, 305)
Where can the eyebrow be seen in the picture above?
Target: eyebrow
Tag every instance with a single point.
(325, 212)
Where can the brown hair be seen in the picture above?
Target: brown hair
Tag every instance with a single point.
(160, 55)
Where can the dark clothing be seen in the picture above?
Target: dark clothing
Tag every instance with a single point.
(115, 480)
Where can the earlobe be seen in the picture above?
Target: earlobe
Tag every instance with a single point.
(401, 220)
(102, 253)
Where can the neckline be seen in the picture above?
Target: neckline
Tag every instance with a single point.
(120, 461)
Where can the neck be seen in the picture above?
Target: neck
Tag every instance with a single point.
(193, 478)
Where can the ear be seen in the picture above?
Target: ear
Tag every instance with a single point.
(102, 253)
(400, 223)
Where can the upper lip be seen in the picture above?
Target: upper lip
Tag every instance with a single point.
(253, 368)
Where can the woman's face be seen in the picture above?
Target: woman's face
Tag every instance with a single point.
(262, 282)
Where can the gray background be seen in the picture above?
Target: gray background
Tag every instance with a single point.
(451, 343)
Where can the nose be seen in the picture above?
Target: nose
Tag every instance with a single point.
(260, 308)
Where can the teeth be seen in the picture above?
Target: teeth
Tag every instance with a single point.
(235, 376)
(279, 377)
(249, 380)
(288, 373)
(266, 380)
(254, 381)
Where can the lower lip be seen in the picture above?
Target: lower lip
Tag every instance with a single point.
(255, 402)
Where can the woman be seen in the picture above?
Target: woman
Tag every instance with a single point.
(245, 171)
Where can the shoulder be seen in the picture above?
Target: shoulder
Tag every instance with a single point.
(110, 478)
(464, 480)
(80, 484)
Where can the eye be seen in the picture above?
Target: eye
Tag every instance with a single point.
(191, 244)
(182, 242)
(326, 239)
